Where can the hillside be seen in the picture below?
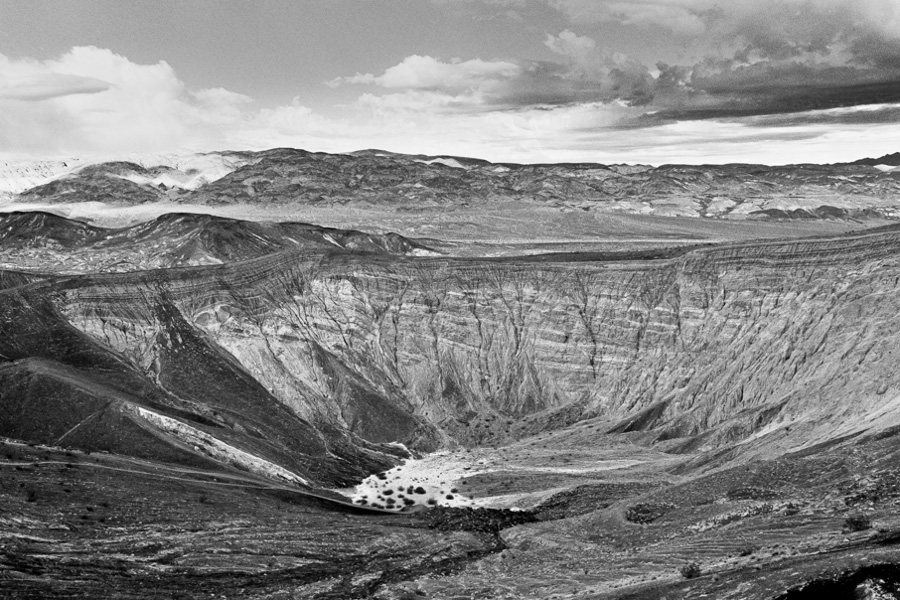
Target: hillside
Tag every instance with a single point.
(47, 241)
(375, 179)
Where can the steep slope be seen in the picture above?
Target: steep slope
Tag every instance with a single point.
(710, 347)
(189, 393)
(35, 229)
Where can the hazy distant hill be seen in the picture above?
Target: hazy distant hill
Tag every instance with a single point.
(388, 181)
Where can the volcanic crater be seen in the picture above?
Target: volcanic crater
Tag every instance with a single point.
(659, 382)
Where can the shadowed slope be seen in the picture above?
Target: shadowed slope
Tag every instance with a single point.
(203, 397)
(33, 229)
(51, 242)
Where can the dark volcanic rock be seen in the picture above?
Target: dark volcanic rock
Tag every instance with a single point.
(482, 520)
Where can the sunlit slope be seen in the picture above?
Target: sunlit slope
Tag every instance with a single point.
(708, 347)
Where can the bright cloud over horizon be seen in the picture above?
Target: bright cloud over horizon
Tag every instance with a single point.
(652, 81)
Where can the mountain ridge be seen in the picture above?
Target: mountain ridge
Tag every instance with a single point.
(286, 176)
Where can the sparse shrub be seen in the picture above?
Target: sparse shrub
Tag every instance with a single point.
(411, 595)
(647, 512)
(857, 523)
(691, 570)
(750, 492)
(747, 550)
(791, 509)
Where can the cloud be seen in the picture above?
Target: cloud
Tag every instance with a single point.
(426, 72)
(680, 17)
(607, 76)
(585, 74)
(567, 43)
(40, 84)
(219, 97)
(94, 100)
(579, 108)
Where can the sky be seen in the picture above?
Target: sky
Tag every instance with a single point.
(609, 81)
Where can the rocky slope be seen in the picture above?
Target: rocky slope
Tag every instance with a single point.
(49, 242)
(738, 343)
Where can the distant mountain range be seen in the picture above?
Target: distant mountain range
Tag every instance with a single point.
(390, 181)
(892, 160)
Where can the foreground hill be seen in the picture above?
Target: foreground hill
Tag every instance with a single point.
(47, 241)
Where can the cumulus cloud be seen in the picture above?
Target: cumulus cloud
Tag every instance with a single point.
(91, 99)
(730, 49)
(426, 72)
(684, 17)
(584, 73)
(94, 101)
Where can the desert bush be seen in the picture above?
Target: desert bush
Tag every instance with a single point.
(747, 550)
(857, 523)
(647, 512)
(750, 492)
(691, 570)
